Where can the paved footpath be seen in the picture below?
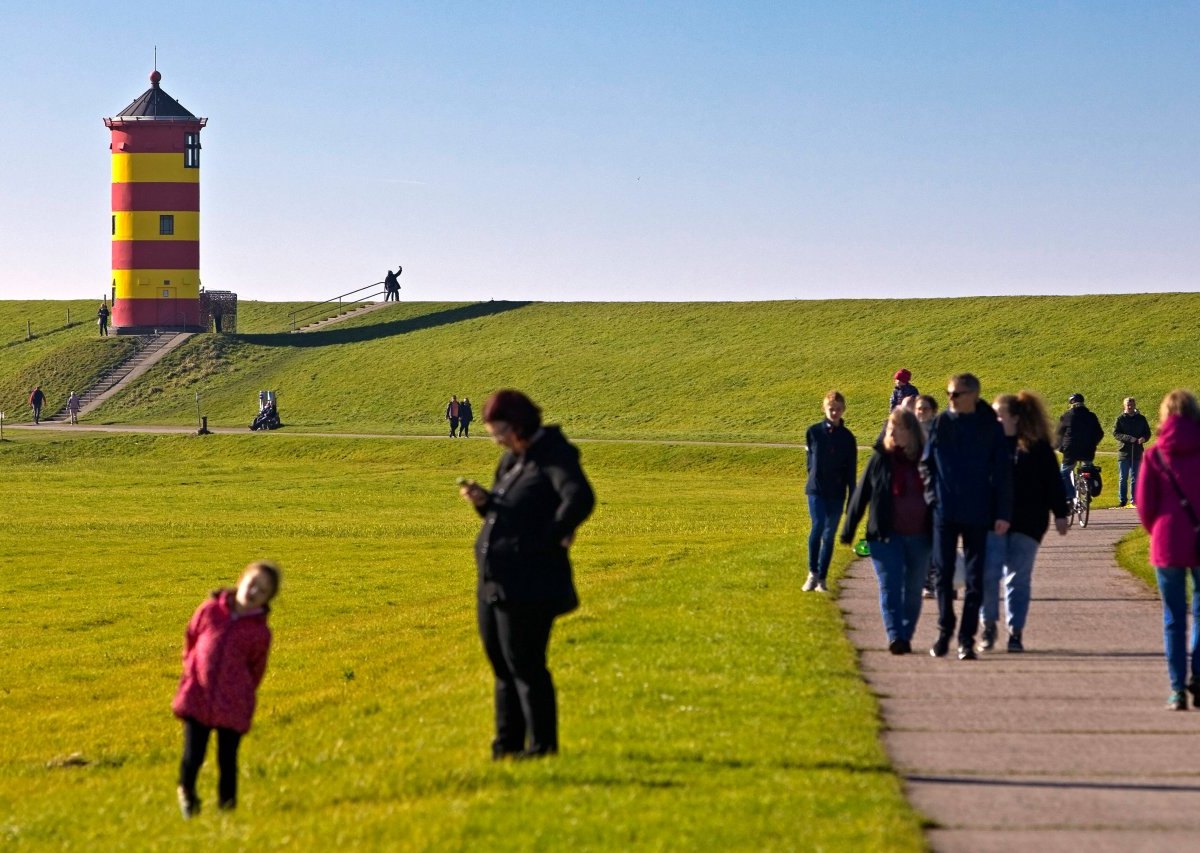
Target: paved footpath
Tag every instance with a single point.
(1064, 747)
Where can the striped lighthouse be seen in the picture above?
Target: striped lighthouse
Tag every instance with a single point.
(155, 214)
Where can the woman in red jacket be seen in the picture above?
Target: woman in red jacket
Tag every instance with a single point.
(1168, 503)
(224, 658)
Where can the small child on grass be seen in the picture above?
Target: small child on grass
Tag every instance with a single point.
(224, 658)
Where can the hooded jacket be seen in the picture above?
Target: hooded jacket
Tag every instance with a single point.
(967, 469)
(537, 500)
(1173, 537)
(224, 659)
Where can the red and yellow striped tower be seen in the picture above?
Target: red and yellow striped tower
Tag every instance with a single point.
(155, 214)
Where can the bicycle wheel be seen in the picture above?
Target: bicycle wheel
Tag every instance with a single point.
(1085, 502)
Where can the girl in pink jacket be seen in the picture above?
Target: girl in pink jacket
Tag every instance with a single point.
(224, 658)
(1168, 503)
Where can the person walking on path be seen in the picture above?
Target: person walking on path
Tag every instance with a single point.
(1131, 431)
(102, 319)
(1037, 493)
(968, 482)
(37, 399)
(892, 496)
(452, 413)
(1079, 432)
(538, 499)
(902, 387)
(224, 659)
(465, 415)
(73, 404)
(1168, 497)
(832, 461)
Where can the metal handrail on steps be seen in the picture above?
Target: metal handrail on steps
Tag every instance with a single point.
(311, 308)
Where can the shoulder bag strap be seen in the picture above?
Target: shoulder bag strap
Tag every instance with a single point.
(1183, 499)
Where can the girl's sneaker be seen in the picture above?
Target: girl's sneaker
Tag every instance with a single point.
(1177, 701)
(1194, 689)
(189, 803)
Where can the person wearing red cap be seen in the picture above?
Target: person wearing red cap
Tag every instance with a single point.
(903, 388)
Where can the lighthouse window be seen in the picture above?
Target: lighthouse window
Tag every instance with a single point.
(114, 225)
(191, 151)
(166, 224)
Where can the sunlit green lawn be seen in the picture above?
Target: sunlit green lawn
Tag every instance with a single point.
(705, 702)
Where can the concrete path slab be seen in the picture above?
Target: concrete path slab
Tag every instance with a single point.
(1064, 747)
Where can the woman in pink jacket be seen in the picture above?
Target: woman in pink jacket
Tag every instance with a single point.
(224, 658)
(1168, 502)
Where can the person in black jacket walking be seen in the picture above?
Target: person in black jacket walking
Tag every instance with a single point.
(539, 497)
(1037, 494)
(832, 460)
(968, 482)
(892, 496)
(1079, 432)
(1131, 431)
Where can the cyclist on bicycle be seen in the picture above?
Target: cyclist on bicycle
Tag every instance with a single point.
(1079, 432)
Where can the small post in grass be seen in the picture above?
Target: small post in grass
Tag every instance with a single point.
(1, 426)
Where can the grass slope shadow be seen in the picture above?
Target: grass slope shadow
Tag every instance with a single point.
(355, 334)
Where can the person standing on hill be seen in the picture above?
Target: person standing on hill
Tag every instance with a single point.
(902, 388)
(102, 319)
(832, 461)
(1079, 432)
(465, 416)
(1037, 494)
(968, 481)
(391, 285)
(73, 404)
(36, 400)
(538, 499)
(1131, 431)
(452, 413)
(1168, 505)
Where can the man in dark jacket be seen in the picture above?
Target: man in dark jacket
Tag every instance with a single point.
(1079, 432)
(1131, 431)
(832, 460)
(968, 482)
(36, 400)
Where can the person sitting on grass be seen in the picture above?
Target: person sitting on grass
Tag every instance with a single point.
(224, 658)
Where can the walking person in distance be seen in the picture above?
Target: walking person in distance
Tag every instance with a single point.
(1131, 431)
(452, 413)
(968, 482)
(37, 399)
(539, 496)
(465, 415)
(1079, 432)
(1168, 505)
(832, 460)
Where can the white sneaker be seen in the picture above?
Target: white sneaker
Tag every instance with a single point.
(821, 587)
(811, 584)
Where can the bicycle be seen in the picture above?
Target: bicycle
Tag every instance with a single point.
(1082, 478)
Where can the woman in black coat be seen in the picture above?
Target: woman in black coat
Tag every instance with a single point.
(539, 497)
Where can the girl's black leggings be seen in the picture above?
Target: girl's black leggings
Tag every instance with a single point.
(195, 745)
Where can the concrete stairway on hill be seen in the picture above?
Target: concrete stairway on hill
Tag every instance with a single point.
(151, 348)
(348, 314)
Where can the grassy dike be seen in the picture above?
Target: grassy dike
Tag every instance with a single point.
(705, 702)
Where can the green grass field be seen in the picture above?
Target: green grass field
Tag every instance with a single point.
(705, 702)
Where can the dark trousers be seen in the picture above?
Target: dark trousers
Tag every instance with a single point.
(195, 745)
(464, 428)
(37, 413)
(453, 426)
(515, 637)
(946, 535)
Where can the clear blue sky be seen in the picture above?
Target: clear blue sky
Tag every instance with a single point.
(631, 151)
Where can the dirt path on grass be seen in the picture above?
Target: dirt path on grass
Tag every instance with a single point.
(1065, 747)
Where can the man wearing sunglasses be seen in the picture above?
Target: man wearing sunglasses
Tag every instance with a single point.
(968, 481)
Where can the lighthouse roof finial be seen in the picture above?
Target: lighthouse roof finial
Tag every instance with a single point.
(154, 78)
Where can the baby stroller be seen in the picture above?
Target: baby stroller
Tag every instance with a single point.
(268, 418)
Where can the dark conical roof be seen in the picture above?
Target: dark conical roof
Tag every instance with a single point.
(155, 103)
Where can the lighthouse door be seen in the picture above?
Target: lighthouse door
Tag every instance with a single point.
(168, 306)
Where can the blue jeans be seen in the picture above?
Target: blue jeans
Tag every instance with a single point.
(1172, 586)
(901, 564)
(945, 547)
(1009, 557)
(825, 514)
(1127, 473)
(1066, 470)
